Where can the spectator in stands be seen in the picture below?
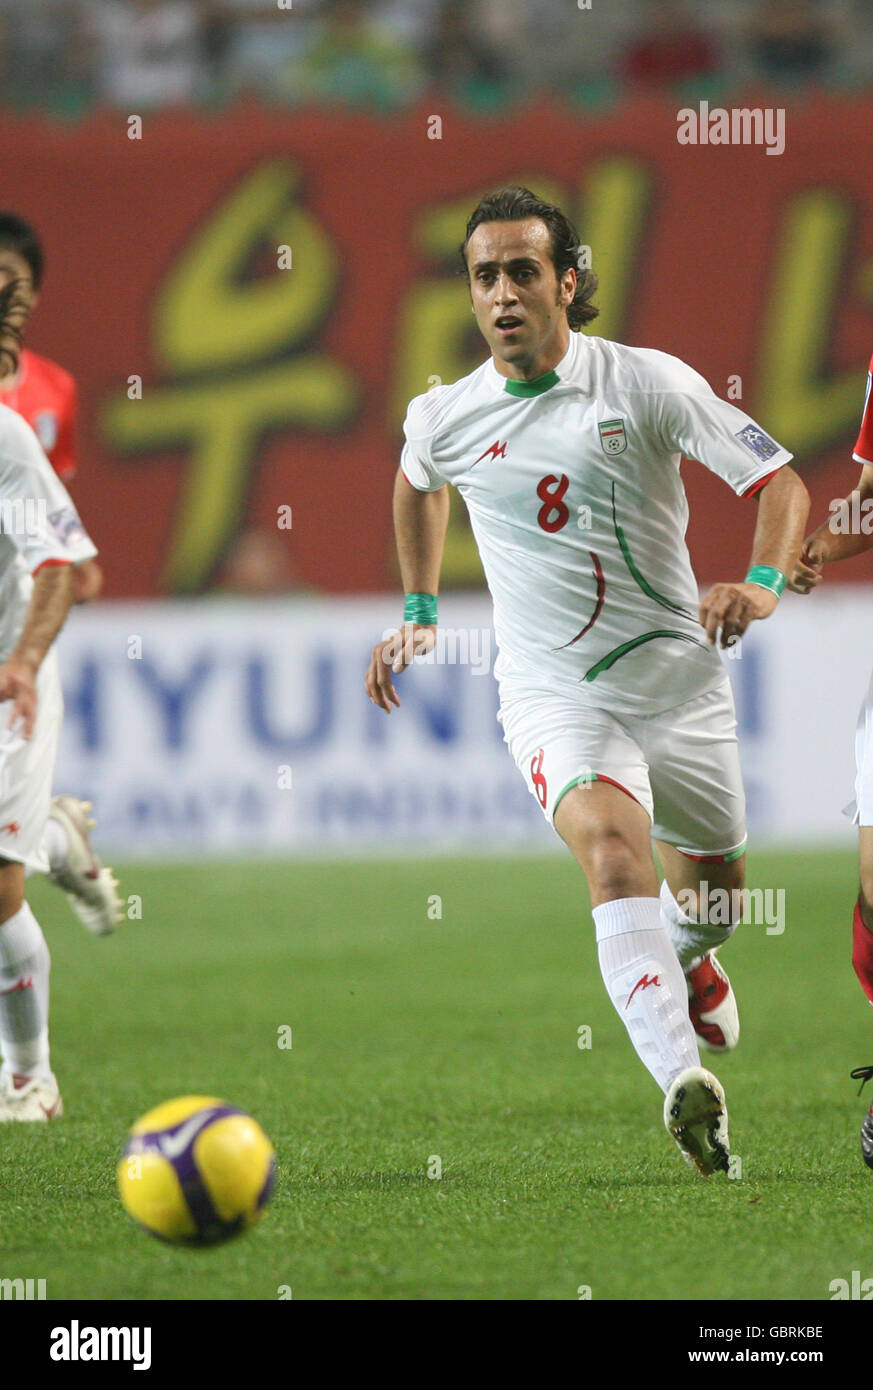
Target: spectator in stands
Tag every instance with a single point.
(42, 61)
(792, 39)
(352, 59)
(474, 52)
(258, 563)
(148, 53)
(7, 49)
(248, 41)
(143, 54)
(673, 48)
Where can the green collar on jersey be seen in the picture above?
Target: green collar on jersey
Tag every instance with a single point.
(532, 388)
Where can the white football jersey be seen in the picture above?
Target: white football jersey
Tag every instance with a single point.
(574, 493)
(38, 523)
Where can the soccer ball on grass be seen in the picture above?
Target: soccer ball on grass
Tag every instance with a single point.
(195, 1171)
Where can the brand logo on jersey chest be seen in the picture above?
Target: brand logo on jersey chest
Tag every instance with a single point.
(497, 451)
(613, 439)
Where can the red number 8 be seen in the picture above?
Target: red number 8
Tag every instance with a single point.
(550, 491)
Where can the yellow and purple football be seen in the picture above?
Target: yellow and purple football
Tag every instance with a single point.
(195, 1171)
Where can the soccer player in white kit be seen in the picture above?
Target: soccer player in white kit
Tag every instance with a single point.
(41, 539)
(614, 703)
(848, 531)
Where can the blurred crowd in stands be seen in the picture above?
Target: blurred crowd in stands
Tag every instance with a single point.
(70, 55)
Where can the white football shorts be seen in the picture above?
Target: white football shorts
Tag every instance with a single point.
(861, 809)
(27, 771)
(682, 765)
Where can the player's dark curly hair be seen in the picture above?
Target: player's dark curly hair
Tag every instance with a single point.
(19, 236)
(14, 306)
(515, 204)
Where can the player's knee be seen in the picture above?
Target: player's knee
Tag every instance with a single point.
(721, 884)
(11, 888)
(734, 876)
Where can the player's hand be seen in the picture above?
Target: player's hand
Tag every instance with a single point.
(807, 572)
(18, 684)
(87, 581)
(391, 657)
(732, 607)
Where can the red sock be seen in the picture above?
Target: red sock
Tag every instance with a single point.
(862, 952)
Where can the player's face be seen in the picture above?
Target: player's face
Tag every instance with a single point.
(519, 302)
(15, 267)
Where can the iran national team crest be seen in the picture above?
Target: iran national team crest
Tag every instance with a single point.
(613, 439)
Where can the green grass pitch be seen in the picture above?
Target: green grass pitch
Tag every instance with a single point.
(415, 1038)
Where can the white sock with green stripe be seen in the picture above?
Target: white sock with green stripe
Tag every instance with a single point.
(645, 983)
(691, 939)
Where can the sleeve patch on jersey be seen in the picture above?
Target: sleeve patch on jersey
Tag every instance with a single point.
(758, 443)
(66, 525)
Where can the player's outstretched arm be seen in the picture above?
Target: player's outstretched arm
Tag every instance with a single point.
(848, 531)
(783, 509)
(49, 606)
(87, 581)
(420, 522)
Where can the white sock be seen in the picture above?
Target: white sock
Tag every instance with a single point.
(645, 983)
(691, 939)
(56, 843)
(24, 995)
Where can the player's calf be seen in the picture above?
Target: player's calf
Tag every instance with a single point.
(608, 833)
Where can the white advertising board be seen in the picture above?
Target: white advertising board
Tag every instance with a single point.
(241, 727)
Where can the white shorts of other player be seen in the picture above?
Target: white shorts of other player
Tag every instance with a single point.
(861, 809)
(27, 770)
(681, 765)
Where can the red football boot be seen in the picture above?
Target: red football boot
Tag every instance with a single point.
(712, 1006)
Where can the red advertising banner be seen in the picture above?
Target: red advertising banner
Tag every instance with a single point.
(248, 300)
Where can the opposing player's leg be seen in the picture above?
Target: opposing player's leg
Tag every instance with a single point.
(865, 1074)
(862, 921)
(28, 1089)
(862, 960)
(590, 780)
(867, 1137)
(861, 811)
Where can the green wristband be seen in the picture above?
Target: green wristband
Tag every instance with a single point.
(768, 577)
(421, 609)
